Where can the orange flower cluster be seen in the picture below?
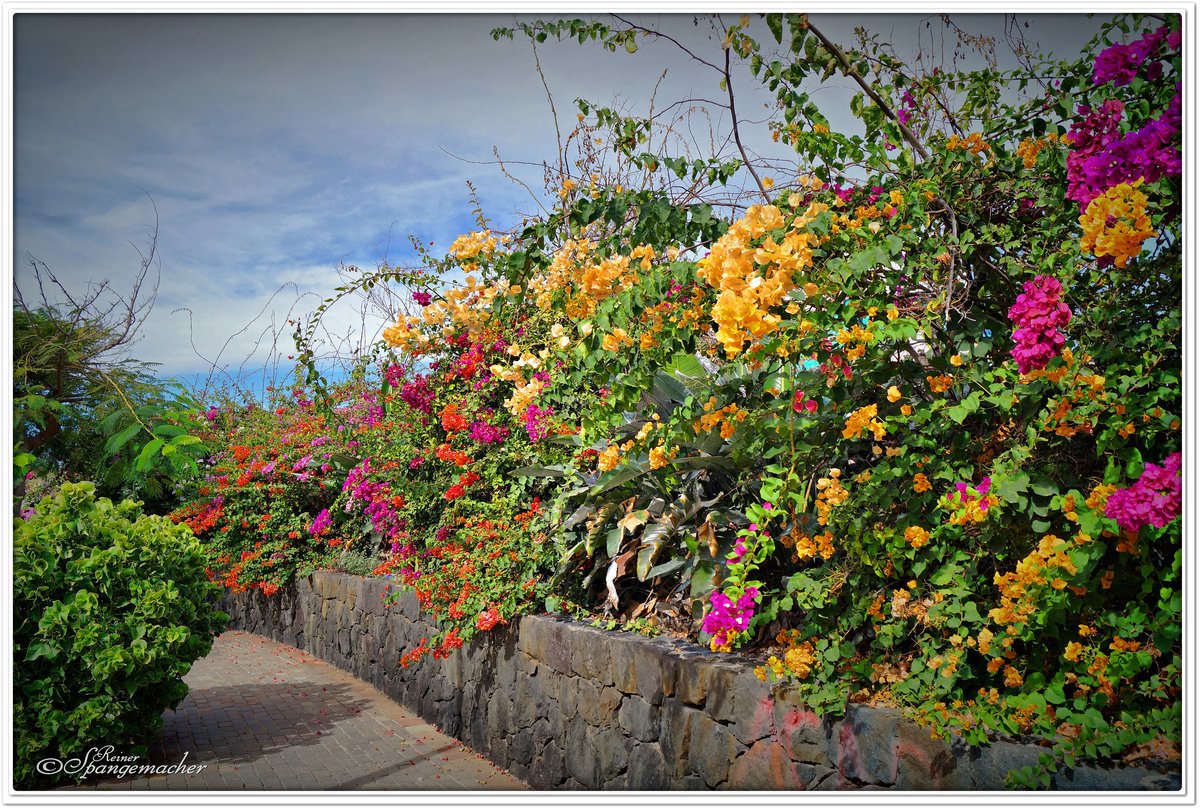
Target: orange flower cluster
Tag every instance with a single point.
(743, 311)
(864, 418)
(728, 417)
(452, 420)
(940, 383)
(973, 143)
(798, 658)
(445, 453)
(830, 495)
(1028, 149)
(916, 536)
(1116, 224)
(858, 338)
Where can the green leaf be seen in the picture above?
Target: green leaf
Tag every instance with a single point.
(115, 442)
(1134, 466)
(556, 471)
(146, 458)
(41, 649)
(663, 569)
(617, 477)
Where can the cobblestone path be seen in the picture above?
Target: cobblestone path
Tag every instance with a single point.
(264, 716)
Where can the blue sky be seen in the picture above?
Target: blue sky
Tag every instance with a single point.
(275, 147)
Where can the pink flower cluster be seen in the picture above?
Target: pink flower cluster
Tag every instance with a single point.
(727, 618)
(418, 395)
(1101, 160)
(375, 499)
(394, 374)
(321, 524)
(1089, 137)
(1156, 499)
(536, 419)
(1119, 63)
(966, 497)
(484, 433)
(1038, 314)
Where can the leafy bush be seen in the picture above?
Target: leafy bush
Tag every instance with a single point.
(111, 608)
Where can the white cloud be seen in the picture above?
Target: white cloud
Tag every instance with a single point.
(276, 146)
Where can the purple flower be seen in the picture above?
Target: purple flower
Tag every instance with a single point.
(1102, 158)
(1119, 63)
(423, 298)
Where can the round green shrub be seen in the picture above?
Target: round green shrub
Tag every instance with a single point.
(111, 608)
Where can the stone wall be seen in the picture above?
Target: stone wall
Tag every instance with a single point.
(562, 705)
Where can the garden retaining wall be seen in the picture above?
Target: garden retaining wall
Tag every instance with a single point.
(563, 705)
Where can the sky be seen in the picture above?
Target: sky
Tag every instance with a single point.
(270, 149)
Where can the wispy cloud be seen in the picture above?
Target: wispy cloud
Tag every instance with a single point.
(275, 147)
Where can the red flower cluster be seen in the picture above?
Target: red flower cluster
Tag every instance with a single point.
(452, 420)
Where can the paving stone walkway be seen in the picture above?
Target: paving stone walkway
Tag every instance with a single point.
(264, 716)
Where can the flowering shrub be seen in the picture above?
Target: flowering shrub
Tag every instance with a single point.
(889, 428)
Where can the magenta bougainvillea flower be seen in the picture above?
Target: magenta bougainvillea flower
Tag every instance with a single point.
(727, 618)
(1156, 498)
(1038, 314)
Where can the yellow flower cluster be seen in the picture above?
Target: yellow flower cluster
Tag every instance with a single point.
(616, 339)
(793, 133)
(586, 278)
(808, 547)
(858, 336)
(830, 495)
(609, 458)
(973, 143)
(463, 308)
(974, 510)
(660, 457)
(798, 659)
(865, 418)
(1125, 207)
(916, 536)
(940, 383)
(1097, 499)
(523, 396)
(1028, 149)
(1017, 601)
(472, 245)
(728, 417)
(743, 311)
